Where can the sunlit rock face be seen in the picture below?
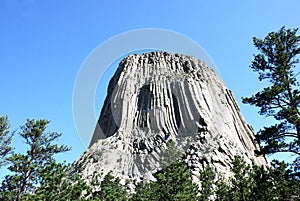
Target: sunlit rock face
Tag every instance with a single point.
(157, 98)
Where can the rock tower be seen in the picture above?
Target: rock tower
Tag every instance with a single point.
(159, 97)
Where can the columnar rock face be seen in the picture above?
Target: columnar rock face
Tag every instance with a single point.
(159, 97)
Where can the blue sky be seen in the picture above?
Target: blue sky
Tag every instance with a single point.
(44, 43)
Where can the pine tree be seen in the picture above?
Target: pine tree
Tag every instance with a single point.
(173, 183)
(56, 183)
(111, 190)
(5, 139)
(252, 183)
(241, 184)
(207, 177)
(26, 167)
(276, 63)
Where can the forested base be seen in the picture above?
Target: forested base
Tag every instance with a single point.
(35, 175)
(173, 183)
(248, 183)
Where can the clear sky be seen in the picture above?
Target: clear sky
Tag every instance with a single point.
(43, 44)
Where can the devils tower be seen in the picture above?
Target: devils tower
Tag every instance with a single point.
(160, 97)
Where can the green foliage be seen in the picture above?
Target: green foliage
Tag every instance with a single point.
(242, 181)
(276, 63)
(252, 183)
(5, 139)
(57, 184)
(238, 187)
(171, 154)
(144, 192)
(26, 167)
(207, 178)
(35, 175)
(111, 190)
(173, 183)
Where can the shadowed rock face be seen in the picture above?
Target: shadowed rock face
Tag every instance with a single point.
(158, 97)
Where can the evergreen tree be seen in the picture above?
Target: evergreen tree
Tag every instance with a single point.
(252, 183)
(207, 177)
(276, 63)
(5, 139)
(171, 154)
(56, 183)
(111, 190)
(145, 192)
(239, 186)
(26, 167)
(173, 183)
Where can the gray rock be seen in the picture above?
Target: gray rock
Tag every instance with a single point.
(157, 98)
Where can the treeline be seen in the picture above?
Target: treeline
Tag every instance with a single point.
(36, 175)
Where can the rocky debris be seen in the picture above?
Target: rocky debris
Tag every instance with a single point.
(160, 97)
